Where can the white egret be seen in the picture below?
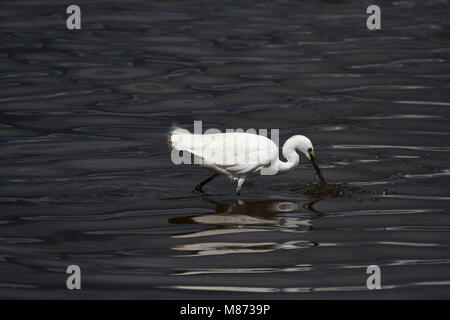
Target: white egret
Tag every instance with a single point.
(241, 155)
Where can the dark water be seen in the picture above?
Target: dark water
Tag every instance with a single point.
(86, 176)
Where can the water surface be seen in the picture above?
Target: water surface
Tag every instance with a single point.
(86, 176)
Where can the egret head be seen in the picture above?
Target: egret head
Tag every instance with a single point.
(307, 149)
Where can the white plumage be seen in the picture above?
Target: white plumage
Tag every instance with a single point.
(240, 155)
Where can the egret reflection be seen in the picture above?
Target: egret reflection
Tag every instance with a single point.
(251, 216)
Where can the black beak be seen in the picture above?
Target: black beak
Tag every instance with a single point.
(316, 167)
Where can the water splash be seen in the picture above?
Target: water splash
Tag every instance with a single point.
(328, 190)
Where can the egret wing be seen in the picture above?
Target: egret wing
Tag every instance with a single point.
(237, 153)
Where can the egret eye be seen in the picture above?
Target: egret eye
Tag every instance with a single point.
(309, 150)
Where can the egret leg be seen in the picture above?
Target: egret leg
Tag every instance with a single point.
(201, 184)
(239, 186)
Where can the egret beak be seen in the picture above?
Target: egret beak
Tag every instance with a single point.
(316, 167)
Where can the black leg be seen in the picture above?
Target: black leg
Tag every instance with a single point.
(201, 184)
